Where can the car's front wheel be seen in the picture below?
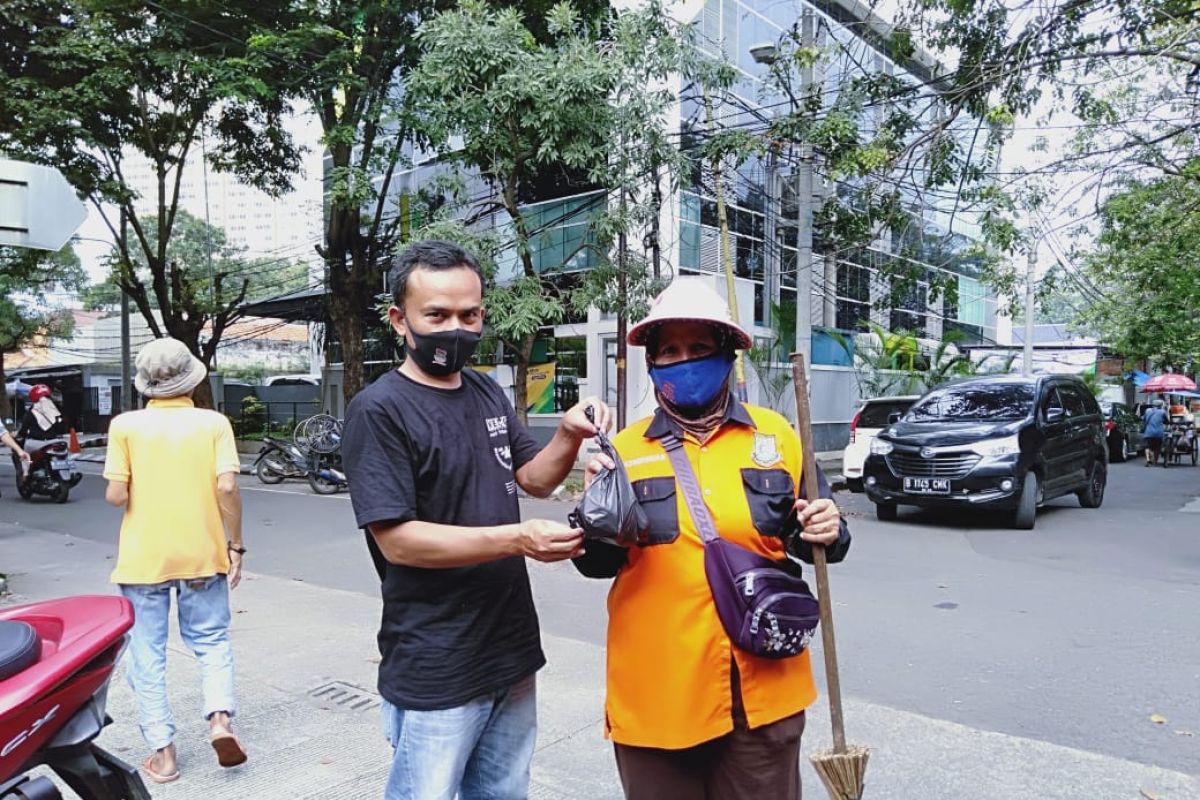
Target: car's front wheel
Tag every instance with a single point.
(887, 512)
(1026, 513)
(1092, 495)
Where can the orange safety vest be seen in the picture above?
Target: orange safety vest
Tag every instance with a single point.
(669, 659)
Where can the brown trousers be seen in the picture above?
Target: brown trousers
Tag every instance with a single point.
(745, 764)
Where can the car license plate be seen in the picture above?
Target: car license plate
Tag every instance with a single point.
(60, 463)
(927, 485)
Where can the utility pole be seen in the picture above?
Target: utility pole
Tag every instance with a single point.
(804, 221)
(726, 256)
(1030, 267)
(771, 254)
(622, 313)
(212, 280)
(655, 250)
(126, 377)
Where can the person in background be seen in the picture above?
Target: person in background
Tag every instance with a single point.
(1154, 423)
(173, 468)
(43, 423)
(20, 457)
(691, 716)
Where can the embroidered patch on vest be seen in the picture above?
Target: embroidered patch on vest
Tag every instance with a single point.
(766, 450)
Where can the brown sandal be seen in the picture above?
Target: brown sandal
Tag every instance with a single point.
(229, 750)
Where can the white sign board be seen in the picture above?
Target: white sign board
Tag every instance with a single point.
(104, 401)
(38, 208)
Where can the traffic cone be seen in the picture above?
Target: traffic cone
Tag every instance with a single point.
(74, 442)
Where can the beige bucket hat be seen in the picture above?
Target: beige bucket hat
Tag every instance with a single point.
(689, 300)
(166, 368)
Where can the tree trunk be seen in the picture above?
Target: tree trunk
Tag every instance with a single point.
(202, 397)
(346, 314)
(521, 378)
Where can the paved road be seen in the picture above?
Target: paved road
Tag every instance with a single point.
(1073, 634)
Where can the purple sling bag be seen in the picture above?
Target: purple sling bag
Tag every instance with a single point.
(764, 605)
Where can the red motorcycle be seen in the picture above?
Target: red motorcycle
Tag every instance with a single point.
(56, 660)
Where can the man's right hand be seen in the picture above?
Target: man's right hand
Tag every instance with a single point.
(544, 540)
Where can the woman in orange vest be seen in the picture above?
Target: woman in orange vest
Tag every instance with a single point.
(690, 714)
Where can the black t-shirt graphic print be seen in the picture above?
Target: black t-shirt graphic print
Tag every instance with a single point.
(414, 452)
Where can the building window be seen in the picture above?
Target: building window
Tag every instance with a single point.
(909, 310)
(972, 302)
(853, 296)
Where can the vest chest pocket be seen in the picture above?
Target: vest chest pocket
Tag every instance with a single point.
(771, 495)
(657, 498)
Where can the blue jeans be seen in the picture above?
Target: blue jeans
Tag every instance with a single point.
(203, 608)
(477, 751)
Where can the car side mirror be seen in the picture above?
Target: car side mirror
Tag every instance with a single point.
(1055, 414)
(894, 417)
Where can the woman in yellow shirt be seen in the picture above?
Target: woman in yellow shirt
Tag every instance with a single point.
(690, 714)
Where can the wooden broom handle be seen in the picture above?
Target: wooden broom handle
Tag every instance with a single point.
(820, 567)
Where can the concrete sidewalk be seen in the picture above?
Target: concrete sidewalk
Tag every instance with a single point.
(306, 663)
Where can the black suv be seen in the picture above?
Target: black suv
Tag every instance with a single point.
(1000, 442)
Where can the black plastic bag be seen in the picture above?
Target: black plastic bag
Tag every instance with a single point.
(609, 510)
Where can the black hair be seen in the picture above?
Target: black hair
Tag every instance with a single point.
(431, 254)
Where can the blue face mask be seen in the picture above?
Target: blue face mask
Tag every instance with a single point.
(694, 383)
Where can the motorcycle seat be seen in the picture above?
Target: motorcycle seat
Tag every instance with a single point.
(19, 647)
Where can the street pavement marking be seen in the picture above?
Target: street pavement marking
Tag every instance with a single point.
(1192, 507)
(302, 494)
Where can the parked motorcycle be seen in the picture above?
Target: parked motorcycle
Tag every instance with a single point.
(52, 471)
(56, 660)
(314, 454)
(279, 460)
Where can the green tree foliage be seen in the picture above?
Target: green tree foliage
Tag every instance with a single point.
(1144, 267)
(205, 260)
(347, 61)
(1126, 70)
(885, 148)
(576, 108)
(26, 278)
(897, 362)
(89, 82)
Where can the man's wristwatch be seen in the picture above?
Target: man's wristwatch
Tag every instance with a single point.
(239, 550)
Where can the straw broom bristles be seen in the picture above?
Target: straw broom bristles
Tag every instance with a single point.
(842, 773)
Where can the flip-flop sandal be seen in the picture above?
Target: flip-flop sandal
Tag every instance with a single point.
(230, 752)
(158, 777)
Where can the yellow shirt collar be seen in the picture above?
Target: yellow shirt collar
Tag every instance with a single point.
(171, 402)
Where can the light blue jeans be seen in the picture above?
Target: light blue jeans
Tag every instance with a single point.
(203, 608)
(477, 751)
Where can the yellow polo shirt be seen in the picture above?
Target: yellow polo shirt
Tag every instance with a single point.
(170, 453)
(669, 658)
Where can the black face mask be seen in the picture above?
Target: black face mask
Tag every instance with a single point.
(442, 353)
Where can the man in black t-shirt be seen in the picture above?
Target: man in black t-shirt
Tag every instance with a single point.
(434, 454)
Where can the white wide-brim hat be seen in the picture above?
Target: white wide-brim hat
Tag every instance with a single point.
(689, 300)
(166, 368)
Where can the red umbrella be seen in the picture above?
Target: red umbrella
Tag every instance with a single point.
(1171, 382)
